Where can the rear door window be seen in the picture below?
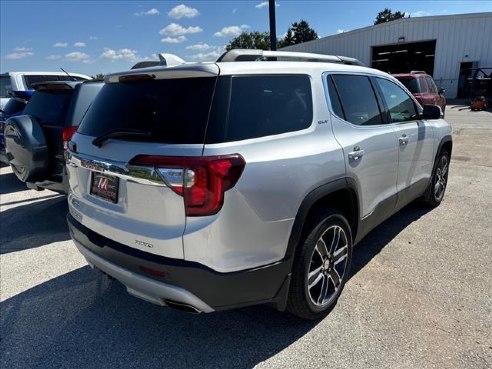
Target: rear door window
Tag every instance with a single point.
(357, 98)
(173, 110)
(263, 105)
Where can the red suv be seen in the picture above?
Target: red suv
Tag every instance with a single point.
(422, 86)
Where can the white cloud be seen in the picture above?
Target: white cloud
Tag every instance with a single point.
(181, 11)
(210, 56)
(93, 38)
(77, 56)
(119, 54)
(174, 40)
(231, 31)
(420, 13)
(79, 44)
(264, 4)
(60, 44)
(199, 46)
(342, 30)
(54, 57)
(234, 11)
(152, 11)
(174, 29)
(20, 53)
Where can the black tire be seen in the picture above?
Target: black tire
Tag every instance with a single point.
(314, 302)
(437, 186)
(26, 148)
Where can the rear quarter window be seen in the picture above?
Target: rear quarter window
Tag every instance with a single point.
(262, 105)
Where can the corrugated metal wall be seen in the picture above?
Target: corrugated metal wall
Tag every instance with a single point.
(459, 38)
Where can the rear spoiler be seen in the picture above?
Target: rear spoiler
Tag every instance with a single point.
(25, 95)
(164, 60)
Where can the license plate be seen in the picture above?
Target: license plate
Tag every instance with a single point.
(105, 187)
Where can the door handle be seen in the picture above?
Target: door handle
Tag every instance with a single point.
(403, 140)
(356, 154)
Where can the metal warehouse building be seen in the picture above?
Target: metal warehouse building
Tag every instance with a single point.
(451, 48)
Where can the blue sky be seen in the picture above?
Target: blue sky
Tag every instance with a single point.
(107, 36)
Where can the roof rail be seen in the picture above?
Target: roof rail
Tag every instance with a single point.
(164, 60)
(418, 72)
(236, 55)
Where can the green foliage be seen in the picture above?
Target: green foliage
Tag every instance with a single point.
(297, 33)
(250, 40)
(98, 76)
(387, 15)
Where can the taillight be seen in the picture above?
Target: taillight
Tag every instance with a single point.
(201, 181)
(67, 134)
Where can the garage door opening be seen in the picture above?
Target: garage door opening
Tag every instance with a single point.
(405, 57)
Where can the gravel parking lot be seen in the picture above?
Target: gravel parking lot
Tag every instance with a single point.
(420, 294)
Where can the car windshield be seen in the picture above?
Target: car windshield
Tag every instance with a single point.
(411, 84)
(5, 85)
(172, 110)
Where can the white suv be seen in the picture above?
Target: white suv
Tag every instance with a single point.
(210, 186)
(21, 81)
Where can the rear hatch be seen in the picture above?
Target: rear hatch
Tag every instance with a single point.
(124, 158)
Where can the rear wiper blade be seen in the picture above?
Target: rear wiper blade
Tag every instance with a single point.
(119, 132)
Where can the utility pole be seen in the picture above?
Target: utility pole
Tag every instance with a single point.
(273, 28)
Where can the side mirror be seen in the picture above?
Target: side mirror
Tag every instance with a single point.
(431, 112)
(441, 91)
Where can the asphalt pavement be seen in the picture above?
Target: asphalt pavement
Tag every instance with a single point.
(419, 296)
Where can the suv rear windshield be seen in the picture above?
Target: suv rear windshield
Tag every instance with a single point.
(412, 84)
(49, 107)
(172, 110)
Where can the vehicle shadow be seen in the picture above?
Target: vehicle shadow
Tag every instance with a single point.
(9, 183)
(81, 320)
(34, 224)
(379, 237)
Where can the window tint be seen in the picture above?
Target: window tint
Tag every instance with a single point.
(81, 102)
(49, 107)
(260, 106)
(172, 110)
(358, 99)
(335, 101)
(5, 85)
(400, 106)
(411, 84)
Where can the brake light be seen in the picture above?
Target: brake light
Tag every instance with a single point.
(67, 134)
(202, 181)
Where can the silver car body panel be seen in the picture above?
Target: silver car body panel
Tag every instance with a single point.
(281, 170)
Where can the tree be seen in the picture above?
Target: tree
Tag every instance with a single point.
(250, 40)
(387, 15)
(297, 33)
(98, 76)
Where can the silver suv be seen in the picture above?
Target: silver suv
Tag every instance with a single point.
(211, 186)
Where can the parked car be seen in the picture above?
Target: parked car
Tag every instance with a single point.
(207, 187)
(35, 141)
(423, 87)
(21, 81)
(14, 107)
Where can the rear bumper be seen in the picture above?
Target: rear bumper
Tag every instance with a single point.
(158, 279)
